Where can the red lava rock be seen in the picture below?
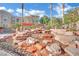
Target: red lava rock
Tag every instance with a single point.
(31, 49)
(47, 36)
(76, 33)
(44, 52)
(39, 31)
(14, 34)
(48, 31)
(39, 46)
(47, 41)
(20, 36)
(23, 46)
(50, 41)
(37, 53)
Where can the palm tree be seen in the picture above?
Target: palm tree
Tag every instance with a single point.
(62, 13)
(51, 13)
(50, 10)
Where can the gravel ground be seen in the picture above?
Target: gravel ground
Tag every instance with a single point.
(6, 53)
(7, 50)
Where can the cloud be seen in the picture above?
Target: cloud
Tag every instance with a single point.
(19, 12)
(37, 12)
(2, 8)
(58, 9)
(30, 12)
(10, 10)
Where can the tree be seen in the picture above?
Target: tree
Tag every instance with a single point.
(54, 23)
(62, 13)
(71, 17)
(44, 20)
(16, 25)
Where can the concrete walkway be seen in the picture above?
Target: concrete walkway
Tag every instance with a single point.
(72, 51)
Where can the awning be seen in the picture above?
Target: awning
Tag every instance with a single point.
(26, 24)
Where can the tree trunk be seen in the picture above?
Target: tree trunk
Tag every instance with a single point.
(62, 13)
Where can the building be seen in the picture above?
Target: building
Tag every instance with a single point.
(16, 20)
(28, 19)
(31, 19)
(5, 19)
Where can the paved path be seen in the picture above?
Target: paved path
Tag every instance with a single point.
(7, 50)
(67, 40)
(72, 51)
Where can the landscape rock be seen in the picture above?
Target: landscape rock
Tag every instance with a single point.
(44, 52)
(30, 40)
(37, 53)
(54, 48)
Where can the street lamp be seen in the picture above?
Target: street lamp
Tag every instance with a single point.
(22, 12)
(22, 6)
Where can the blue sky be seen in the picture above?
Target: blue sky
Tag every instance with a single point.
(39, 9)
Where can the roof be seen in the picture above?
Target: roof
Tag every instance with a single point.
(31, 16)
(4, 11)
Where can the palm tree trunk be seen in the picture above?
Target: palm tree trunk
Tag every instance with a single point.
(62, 13)
(51, 13)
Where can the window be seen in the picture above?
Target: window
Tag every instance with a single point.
(5, 19)
(4, 25)
(17, 20)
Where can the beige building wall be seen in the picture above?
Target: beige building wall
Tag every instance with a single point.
(31, 19)
(5, 19)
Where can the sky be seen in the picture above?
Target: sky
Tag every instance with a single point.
(39, 9)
